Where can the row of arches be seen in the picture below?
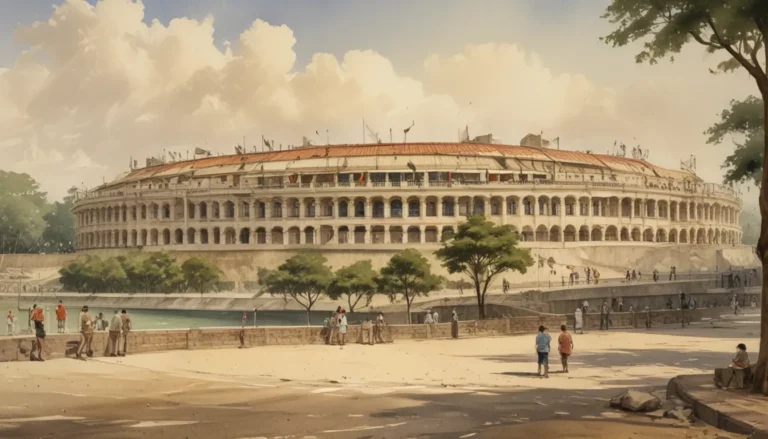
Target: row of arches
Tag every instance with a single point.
(414, 206)
(325, 234)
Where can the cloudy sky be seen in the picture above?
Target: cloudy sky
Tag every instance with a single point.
(86, 85)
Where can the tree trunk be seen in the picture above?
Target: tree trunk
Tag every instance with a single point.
(407, 310)
(480, 302)
(309, 311)
(761, 376)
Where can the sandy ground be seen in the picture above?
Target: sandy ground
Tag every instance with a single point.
(483, 387)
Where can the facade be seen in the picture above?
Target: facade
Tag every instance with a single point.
(404, 195)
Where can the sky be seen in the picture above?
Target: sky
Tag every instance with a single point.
(87, 86)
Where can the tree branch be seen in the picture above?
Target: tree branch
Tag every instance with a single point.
(756, 72)
(704, 42)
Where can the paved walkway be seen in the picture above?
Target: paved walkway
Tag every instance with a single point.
(732, 410)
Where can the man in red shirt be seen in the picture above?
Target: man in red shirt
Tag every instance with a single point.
(61, 317)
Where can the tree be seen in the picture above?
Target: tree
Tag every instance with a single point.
(200, 274)
(356, 282)
(409, 274)
(482, 250)
(22, 207)
(744, 122)
(59, 231)
(303, 277)
(73, 275)
(737, 29)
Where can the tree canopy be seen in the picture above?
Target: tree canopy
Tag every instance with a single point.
(304, 277)
(737, 29)
(355, 282)
(482, 250)
(150, 273)
(408, 274)
(28, 223)
(743, 122)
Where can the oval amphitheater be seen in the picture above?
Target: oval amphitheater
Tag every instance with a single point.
(404, 195)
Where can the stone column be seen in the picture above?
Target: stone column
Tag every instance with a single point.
(504, 208)
(422, 238)
(386, 234)
(422, 207)
(387, 208)
(486, 207)
(368, 209)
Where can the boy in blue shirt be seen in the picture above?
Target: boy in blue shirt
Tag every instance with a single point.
(542, 349)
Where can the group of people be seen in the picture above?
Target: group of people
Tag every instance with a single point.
(605, 314)
(590, 273)
(119, 326)
(335, 329)
(565, 347)
(433, 318)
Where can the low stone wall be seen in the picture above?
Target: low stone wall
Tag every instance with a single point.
(658, 317)
(56, 345)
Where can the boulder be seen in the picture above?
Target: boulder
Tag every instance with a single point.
(679, 414)
(635, 401)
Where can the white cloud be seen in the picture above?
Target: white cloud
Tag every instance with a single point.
(98, 85)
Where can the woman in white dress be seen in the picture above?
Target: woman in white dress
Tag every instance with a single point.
(577, 316)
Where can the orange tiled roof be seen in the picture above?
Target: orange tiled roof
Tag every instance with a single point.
(371, 150)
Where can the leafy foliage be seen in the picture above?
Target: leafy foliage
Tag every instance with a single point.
(28, 224)
(200, 274)
(744, 122)
(482, 250)
(408, 274)
(355, 282)
(304, 277)
(150, 273)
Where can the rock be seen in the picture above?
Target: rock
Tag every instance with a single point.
(687, 413)
(658, 414)
(677, 414)
(616, 400)
(635, 401)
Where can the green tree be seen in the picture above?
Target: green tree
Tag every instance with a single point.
(408, 274)
(59, 231)
(303, 277)
(743, 121)
(737, 29)
(110, 275)
(74, 276)
(482, 250)
(200, 274)
(22, 206)
(355, 282)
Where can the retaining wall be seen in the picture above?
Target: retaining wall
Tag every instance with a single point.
(18, 348)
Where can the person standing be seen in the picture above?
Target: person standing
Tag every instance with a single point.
(603, 316)
(632, 316)
(335, 326)
(435, 317)
(114, 334)
(542, 350)
(380, 325)
(683, 303)
(647, 317)
(86, 334)
(342, 328)
(578, 319)
(621, 304)
(428, 318)
(366, 332)
(585, 306)
(61, 317)
(326, 331)
(454, 324)
(9, 322)
(628, 276)
(634, 275)
(565, 347)
(37, 318)
(126, 327)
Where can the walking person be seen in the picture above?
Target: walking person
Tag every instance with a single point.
(61, 318)
(454, 324)
(342, 328)
(37, 318)
(114, 335)
(126, 328)
(9, 322)
(565, 347)
(86, 334)
(542, 350)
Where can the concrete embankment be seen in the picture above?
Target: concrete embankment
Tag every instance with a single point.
(60, 345)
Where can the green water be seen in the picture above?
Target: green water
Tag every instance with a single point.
(176, 319)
